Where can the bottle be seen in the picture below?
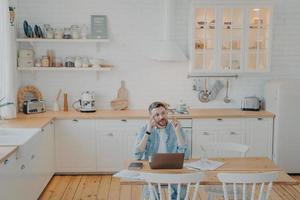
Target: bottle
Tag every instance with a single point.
(66, 102)
(50, 55)
(84, 31)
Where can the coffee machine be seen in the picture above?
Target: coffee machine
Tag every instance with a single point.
(87, 102)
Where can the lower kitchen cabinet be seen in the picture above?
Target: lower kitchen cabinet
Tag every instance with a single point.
(109, 151)
(8, 178)
(115, 142)
(103, 145)
(216, 130)
(254, 132)
(28, 171)
(45, 166)
(75, 145)
(260, 136)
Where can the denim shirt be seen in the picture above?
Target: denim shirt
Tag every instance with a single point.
(153, 143)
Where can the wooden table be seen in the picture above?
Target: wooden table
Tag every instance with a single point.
(231, 165)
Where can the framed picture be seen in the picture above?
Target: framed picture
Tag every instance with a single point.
(99, 27)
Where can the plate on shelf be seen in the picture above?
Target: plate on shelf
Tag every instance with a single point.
(30, 31)
(25, 27)
(40, 32)
(36, 31)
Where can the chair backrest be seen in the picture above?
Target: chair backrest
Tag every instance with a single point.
(263, 181)
(227, 147)
(185, 182)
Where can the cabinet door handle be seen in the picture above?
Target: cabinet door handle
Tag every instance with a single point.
(206, 133)
(32, 156)
(22, 167)
(124, 120)
(110, 134)
(220, 119)
(75, 120)
(42, 129)
(233, 133)
(260, 119)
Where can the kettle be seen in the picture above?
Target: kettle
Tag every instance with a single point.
(87, 102)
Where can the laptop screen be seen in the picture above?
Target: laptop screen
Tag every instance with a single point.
(166, 161)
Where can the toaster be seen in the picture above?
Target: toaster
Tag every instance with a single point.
(34, 106)
(251, 103)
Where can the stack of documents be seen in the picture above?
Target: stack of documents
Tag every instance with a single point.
(204, 164)
(127, 174)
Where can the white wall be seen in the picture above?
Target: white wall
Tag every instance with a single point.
(134, 29)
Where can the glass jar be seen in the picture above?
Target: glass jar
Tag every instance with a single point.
(38, 63)
(50, 34)
(58, 62)
(45, 61)
(69, 61)
(59, 33)
(75, 31)
(78, 62)
(85, 62)
(67, 33)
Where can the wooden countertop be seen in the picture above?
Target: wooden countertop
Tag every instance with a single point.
(25, 122)
(42, 119)
(6, 151)
(141, 114)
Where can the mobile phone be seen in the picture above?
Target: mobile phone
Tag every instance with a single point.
(135, 165)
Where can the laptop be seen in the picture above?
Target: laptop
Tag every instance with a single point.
(167, 161)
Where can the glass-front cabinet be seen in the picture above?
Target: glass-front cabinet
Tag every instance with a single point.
(205, 39)
(258, 38)
(230, 39)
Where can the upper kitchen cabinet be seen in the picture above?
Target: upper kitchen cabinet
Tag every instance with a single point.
(230, 39)
(258, 36)
(204, 50)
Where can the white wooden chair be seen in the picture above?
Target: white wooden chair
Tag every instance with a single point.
(157, 180)
(265, 180)
(241, 149)
(226, 147)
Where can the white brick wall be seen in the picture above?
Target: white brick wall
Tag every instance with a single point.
(134, 29)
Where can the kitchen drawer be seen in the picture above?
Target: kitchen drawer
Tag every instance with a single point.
(218, 123)
(119, 124)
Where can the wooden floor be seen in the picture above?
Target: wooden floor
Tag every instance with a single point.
(105, 187)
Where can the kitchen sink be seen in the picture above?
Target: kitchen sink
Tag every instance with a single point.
(16, 136)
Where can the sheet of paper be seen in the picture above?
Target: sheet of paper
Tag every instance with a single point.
(204, 164)
(127, 174)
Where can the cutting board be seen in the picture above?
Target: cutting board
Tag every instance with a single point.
(121, 102)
